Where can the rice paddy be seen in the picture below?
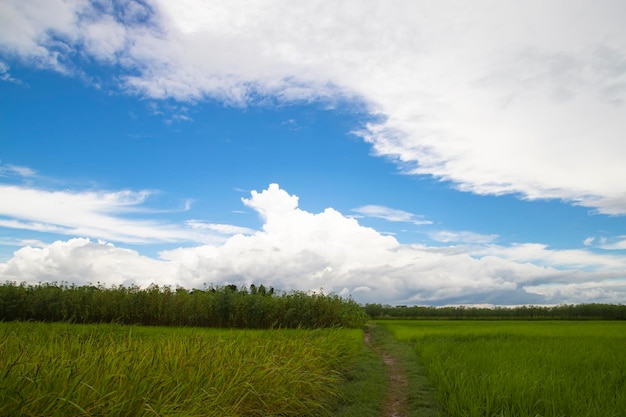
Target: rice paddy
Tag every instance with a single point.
(114, 370)
(474, 368)
(522, 368)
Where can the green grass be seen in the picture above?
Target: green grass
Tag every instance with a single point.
(365, 386)
(113, 370)
(547, 369)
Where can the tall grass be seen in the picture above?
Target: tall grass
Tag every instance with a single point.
(113, 370)
(223, 307)
(522, 369)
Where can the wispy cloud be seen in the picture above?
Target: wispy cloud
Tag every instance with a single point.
(97, 214)
(226, 229)
(447, 236)
(16, 170)
(5, 75)
(170, 112)
(541, 254)
(617, 243)
(607, 242)
(390, 214)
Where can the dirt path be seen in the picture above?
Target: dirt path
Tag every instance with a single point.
(396, 400)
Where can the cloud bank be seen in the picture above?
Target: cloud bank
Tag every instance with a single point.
(496, 97)
(306, 251)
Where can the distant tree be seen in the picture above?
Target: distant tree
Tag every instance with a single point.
(374, 310)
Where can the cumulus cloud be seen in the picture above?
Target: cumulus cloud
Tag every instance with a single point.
(506, 97)
(301, 250)
(80, 261)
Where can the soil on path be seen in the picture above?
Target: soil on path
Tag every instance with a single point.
(397, 394)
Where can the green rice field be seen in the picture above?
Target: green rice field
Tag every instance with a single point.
(115, 370)
(522, 368)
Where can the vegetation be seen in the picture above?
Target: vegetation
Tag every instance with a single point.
(522, 368)
(421, 400)
(113, 370)
(370, 379)
(222, 307)
(56, 362)
(560, 312)
(365, 386)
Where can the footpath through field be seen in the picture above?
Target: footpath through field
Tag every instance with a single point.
(409, 392)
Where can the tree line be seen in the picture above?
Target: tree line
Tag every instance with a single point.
(256, 307)
(559, 312)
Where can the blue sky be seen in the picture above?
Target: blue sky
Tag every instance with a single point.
(402, 155)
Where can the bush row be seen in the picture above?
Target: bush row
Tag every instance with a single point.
(560, 312)
(221, 307)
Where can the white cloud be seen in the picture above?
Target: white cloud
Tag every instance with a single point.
(82, 262)
(98, 214)
(104, 38)
(5, 75)
(589, 241)
(226, 229)
(297, 249)
(505, 97)
(616, 243)
(447, 236)
(21, 171)
(601, 291)
(540, 254)
(32, 29)
(390, 214)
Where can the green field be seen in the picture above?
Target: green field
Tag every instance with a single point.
(474, 368)
(522, 368)
(114, 370)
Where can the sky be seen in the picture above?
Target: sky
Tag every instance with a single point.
(395, 152)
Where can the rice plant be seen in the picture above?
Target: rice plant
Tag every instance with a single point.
(549, 369)
(113, 370)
